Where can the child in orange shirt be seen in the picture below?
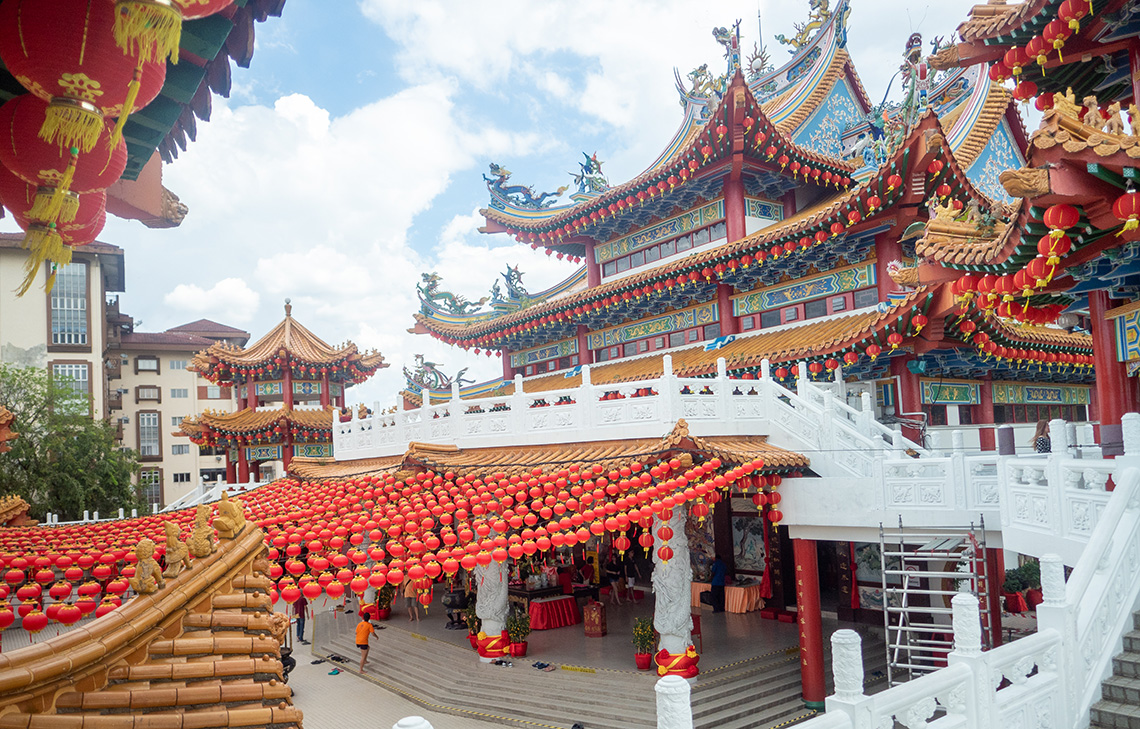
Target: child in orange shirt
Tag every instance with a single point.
(364, 633)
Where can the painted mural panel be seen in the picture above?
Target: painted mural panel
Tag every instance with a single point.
(678, 225)
(564, 348)
(999, 154)
(823, 130)
(835, 282)
(1128, 336)
(755, 207)
(313, 450)
(942, 392)
(263, 453)
(1014, 393)
(676, 321)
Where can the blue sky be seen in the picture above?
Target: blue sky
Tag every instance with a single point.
(349, 156)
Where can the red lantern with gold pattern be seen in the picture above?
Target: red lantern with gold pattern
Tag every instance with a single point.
(1127, 208)
(152, 29)
(65, 52)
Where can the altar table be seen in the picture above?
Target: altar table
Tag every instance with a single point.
(554, 612)
(737, 599)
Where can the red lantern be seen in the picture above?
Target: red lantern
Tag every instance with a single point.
(1044, 102)
(1038, 49)
(1127, 208)
(893, 182)
(1071, 11)
(1025, 90)
(34, 621)
(1015, 58)
(998, 72)
(1055, 34)
(919, 322)
(665, 553)
(850, 358)
(894, 339)
(934, 167)
(873, 351)
(65, 52)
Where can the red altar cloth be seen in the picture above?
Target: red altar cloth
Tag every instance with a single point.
(554, 612)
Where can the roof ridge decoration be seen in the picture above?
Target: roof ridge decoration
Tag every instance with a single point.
(442, 306)
(518, 196)
(428, 376)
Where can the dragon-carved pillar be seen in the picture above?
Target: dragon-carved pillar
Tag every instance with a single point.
(672, 614)
(491, 608)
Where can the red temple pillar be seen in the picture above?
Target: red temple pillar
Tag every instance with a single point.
(995, 576)
(585, 354)
(243, 466)
(910, 392)
(287, 450)
(728, 323)
(811, 628)
(593, 268)
(325, 394)
(508, 370)
(734, 213)
(789, 201)
(1111, 378)
(287, 386)
(231, 469)
(986, 414)
(251, 393)
(887, 248)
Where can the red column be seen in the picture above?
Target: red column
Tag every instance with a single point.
(251, 394)
(243, 466)
(811, 629)
(1111, 378)
(231, 469)
(593, 268)
(887, 248)
(508, 371)
(325, 389)
(728, 323)
(995, 575)
(734, 214)
(986, 413)
(585, 354)
(287, 386)
(910, 392)
(287, 451)
(789, 201)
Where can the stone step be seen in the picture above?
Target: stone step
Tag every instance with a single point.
(780, 714)
(1114, 714)
(1132, 641)
(1122, 689)
(1126, 665)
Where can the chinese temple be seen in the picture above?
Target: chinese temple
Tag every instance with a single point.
(289, 383)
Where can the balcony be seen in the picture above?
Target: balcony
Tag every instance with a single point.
(114, 367)
(114, 400)
(119, 430)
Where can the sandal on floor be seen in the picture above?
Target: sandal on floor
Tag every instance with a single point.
(334, 672)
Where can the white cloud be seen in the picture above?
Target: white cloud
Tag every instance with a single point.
(230, 299)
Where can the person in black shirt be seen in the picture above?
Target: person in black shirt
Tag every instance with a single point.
(615, 576)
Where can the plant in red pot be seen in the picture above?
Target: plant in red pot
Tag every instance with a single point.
(518, 628)
(474, 624)
(384, 601)
(643, 640)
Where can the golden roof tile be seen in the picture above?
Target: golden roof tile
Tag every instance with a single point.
(1061, 127)
(995, 19)
(960, 243)
(983, 127)
(248, 420)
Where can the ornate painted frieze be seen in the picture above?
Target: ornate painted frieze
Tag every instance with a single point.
(764, 209)
(833, 282)
(1128, 336)
(263, 453)
(1015, 393)
(306, 387)
(945, 392)
(678, 225)
(676, 321)
(313, 450)
(269, 388)
(564, 348)
(996, 157)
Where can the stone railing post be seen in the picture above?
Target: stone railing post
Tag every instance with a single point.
(1059, 435)
(1054, 613)
(967, 623)
(412, 722)
(670, 398)
(1130, 428)
(1005, 443)
(674, 703)
(587, 398)
(724, 394)
(1052, 579)
(847, 669)
(801, 379)
(458, 411)
(866, 414)
(517, 417)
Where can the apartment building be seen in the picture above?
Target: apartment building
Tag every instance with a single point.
(155, 390)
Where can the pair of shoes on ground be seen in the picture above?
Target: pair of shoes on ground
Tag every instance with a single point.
(543, 666)
(334, 672)
(501, 662)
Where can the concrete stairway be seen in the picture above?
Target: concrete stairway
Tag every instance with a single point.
(760, 692)
(765, 691)
(1120, 702)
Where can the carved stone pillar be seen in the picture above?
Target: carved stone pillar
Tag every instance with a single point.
(847, 664)
(672, 585)
(491, 608)
(674, 703)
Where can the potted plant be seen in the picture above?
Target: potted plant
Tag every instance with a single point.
(643, 640)
(518, 628)
(474, 624)
(384, 601)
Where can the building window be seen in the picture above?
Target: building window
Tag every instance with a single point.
(150, 436)
(748, 323)
(637, 259)
(146, 364)
(712, 331)
(643, 345)
(180, 449)
(615, 352)
(838, 303)
(684, 243)
(866, 297)
(529, 370)
(935, 414)
(176, 420)
(179, 392)
(69, 305)
(150, 486)
(181, 478)
(677, 339)
(659, 343)
(178, 364)
(213, 392)
(815, 308)
(602, 355)
(609, 269)
(630, 349)
(770, 319)
(75, 377)
(668, 248)
(791, 314)
(148, 392)
(694, 335)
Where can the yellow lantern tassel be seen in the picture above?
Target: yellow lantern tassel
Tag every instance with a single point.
(128, 105)
(150, 28)
(43, 243)
(50, 202)
(72, 123)
(1132, 223)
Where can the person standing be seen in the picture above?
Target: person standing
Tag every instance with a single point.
(300, 607)
(410, 600)
(719, 571)
(1042, 443)
(615, 579)
(364, 633)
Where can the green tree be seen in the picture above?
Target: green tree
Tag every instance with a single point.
(64, 461)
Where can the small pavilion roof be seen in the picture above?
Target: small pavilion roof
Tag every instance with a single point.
(291, 338)
(252, 421)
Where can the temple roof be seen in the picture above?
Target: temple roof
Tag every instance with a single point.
(993, 20)
(252, 420)
(520, 459)
(210, 329)
(967, 244)
(289, 338)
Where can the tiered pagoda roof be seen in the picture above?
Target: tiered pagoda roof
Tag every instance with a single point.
(252, 426)
(289, 342)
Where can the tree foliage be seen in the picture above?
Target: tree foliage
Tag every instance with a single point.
(64, 461)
